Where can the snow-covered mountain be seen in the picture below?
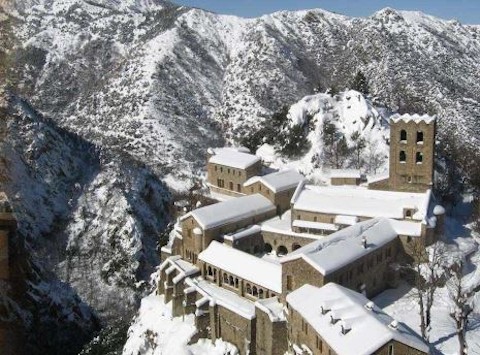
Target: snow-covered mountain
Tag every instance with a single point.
(126, 95)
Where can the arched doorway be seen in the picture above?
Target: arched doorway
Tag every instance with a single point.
(282, 250)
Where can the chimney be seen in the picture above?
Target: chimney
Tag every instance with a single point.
(364, 242)
(394, 325)
(345, 327)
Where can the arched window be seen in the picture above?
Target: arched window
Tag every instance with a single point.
(268, 248)
(419, 137)
(419, 157)
(255, 291)
(295, 246)
(225, 278)
(403, 156)
(230, 281)
(249, 289)
(236, 282)
(260, 293)
(403, 135)
(282, 250)
(210, 271)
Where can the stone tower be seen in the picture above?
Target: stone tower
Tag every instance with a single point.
(412, 150)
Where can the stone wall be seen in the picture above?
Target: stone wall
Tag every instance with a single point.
(337, 181)
(302, 333)
(193, 245)
(234, 329)
(296, 273)
(252, 244)
(271, 337)
(231, 178)
(280, 199)
(370, 274)
(289, 242)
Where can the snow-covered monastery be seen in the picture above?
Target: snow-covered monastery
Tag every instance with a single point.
(282, 266)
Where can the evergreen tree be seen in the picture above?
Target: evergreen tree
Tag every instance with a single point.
(360, 83)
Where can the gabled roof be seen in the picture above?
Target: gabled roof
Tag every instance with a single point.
(370, 327)
(345, 246)
(248, 267)
(230, 211)
(361, 202)
(278, 181)
(233, 157)
(415, 118)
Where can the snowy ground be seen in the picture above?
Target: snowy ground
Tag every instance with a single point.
(156, 332)
(401, 305)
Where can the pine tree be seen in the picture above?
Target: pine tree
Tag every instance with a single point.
(360, 83)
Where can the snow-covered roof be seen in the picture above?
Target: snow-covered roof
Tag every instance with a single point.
(278, 181)
(345, 173)
(243, 265)
(410, 228)
(345, 246)
(233, 157)
(314, 225)
(346, 220)
(183, 268)
(246, 232)
(358, 201)
(230, 211)
(369, 327)
(225, 298)
(415, 118)
(273, 308)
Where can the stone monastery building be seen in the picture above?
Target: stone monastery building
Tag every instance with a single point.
(279, 266)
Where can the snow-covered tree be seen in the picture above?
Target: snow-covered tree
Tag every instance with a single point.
(462, 297)
(360, 83)
(428, 268)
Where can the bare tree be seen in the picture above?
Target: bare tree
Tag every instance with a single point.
(462, 297)
(428, 267)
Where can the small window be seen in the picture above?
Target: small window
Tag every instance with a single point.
(231, 185)
(315, 218)
(409, 239)
(419, 158)
(289, 282)
(408, 213)
(228, 171)
(419, 137)
(403, 156)
(403, 135)
(319, 344)
(239, 173)
(390, 349)
(221, 169)
(239, 188)
(216, 168)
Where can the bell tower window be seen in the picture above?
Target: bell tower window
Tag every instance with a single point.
(419, 137)
(403, 156)
(403, 135)
(419, 158)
